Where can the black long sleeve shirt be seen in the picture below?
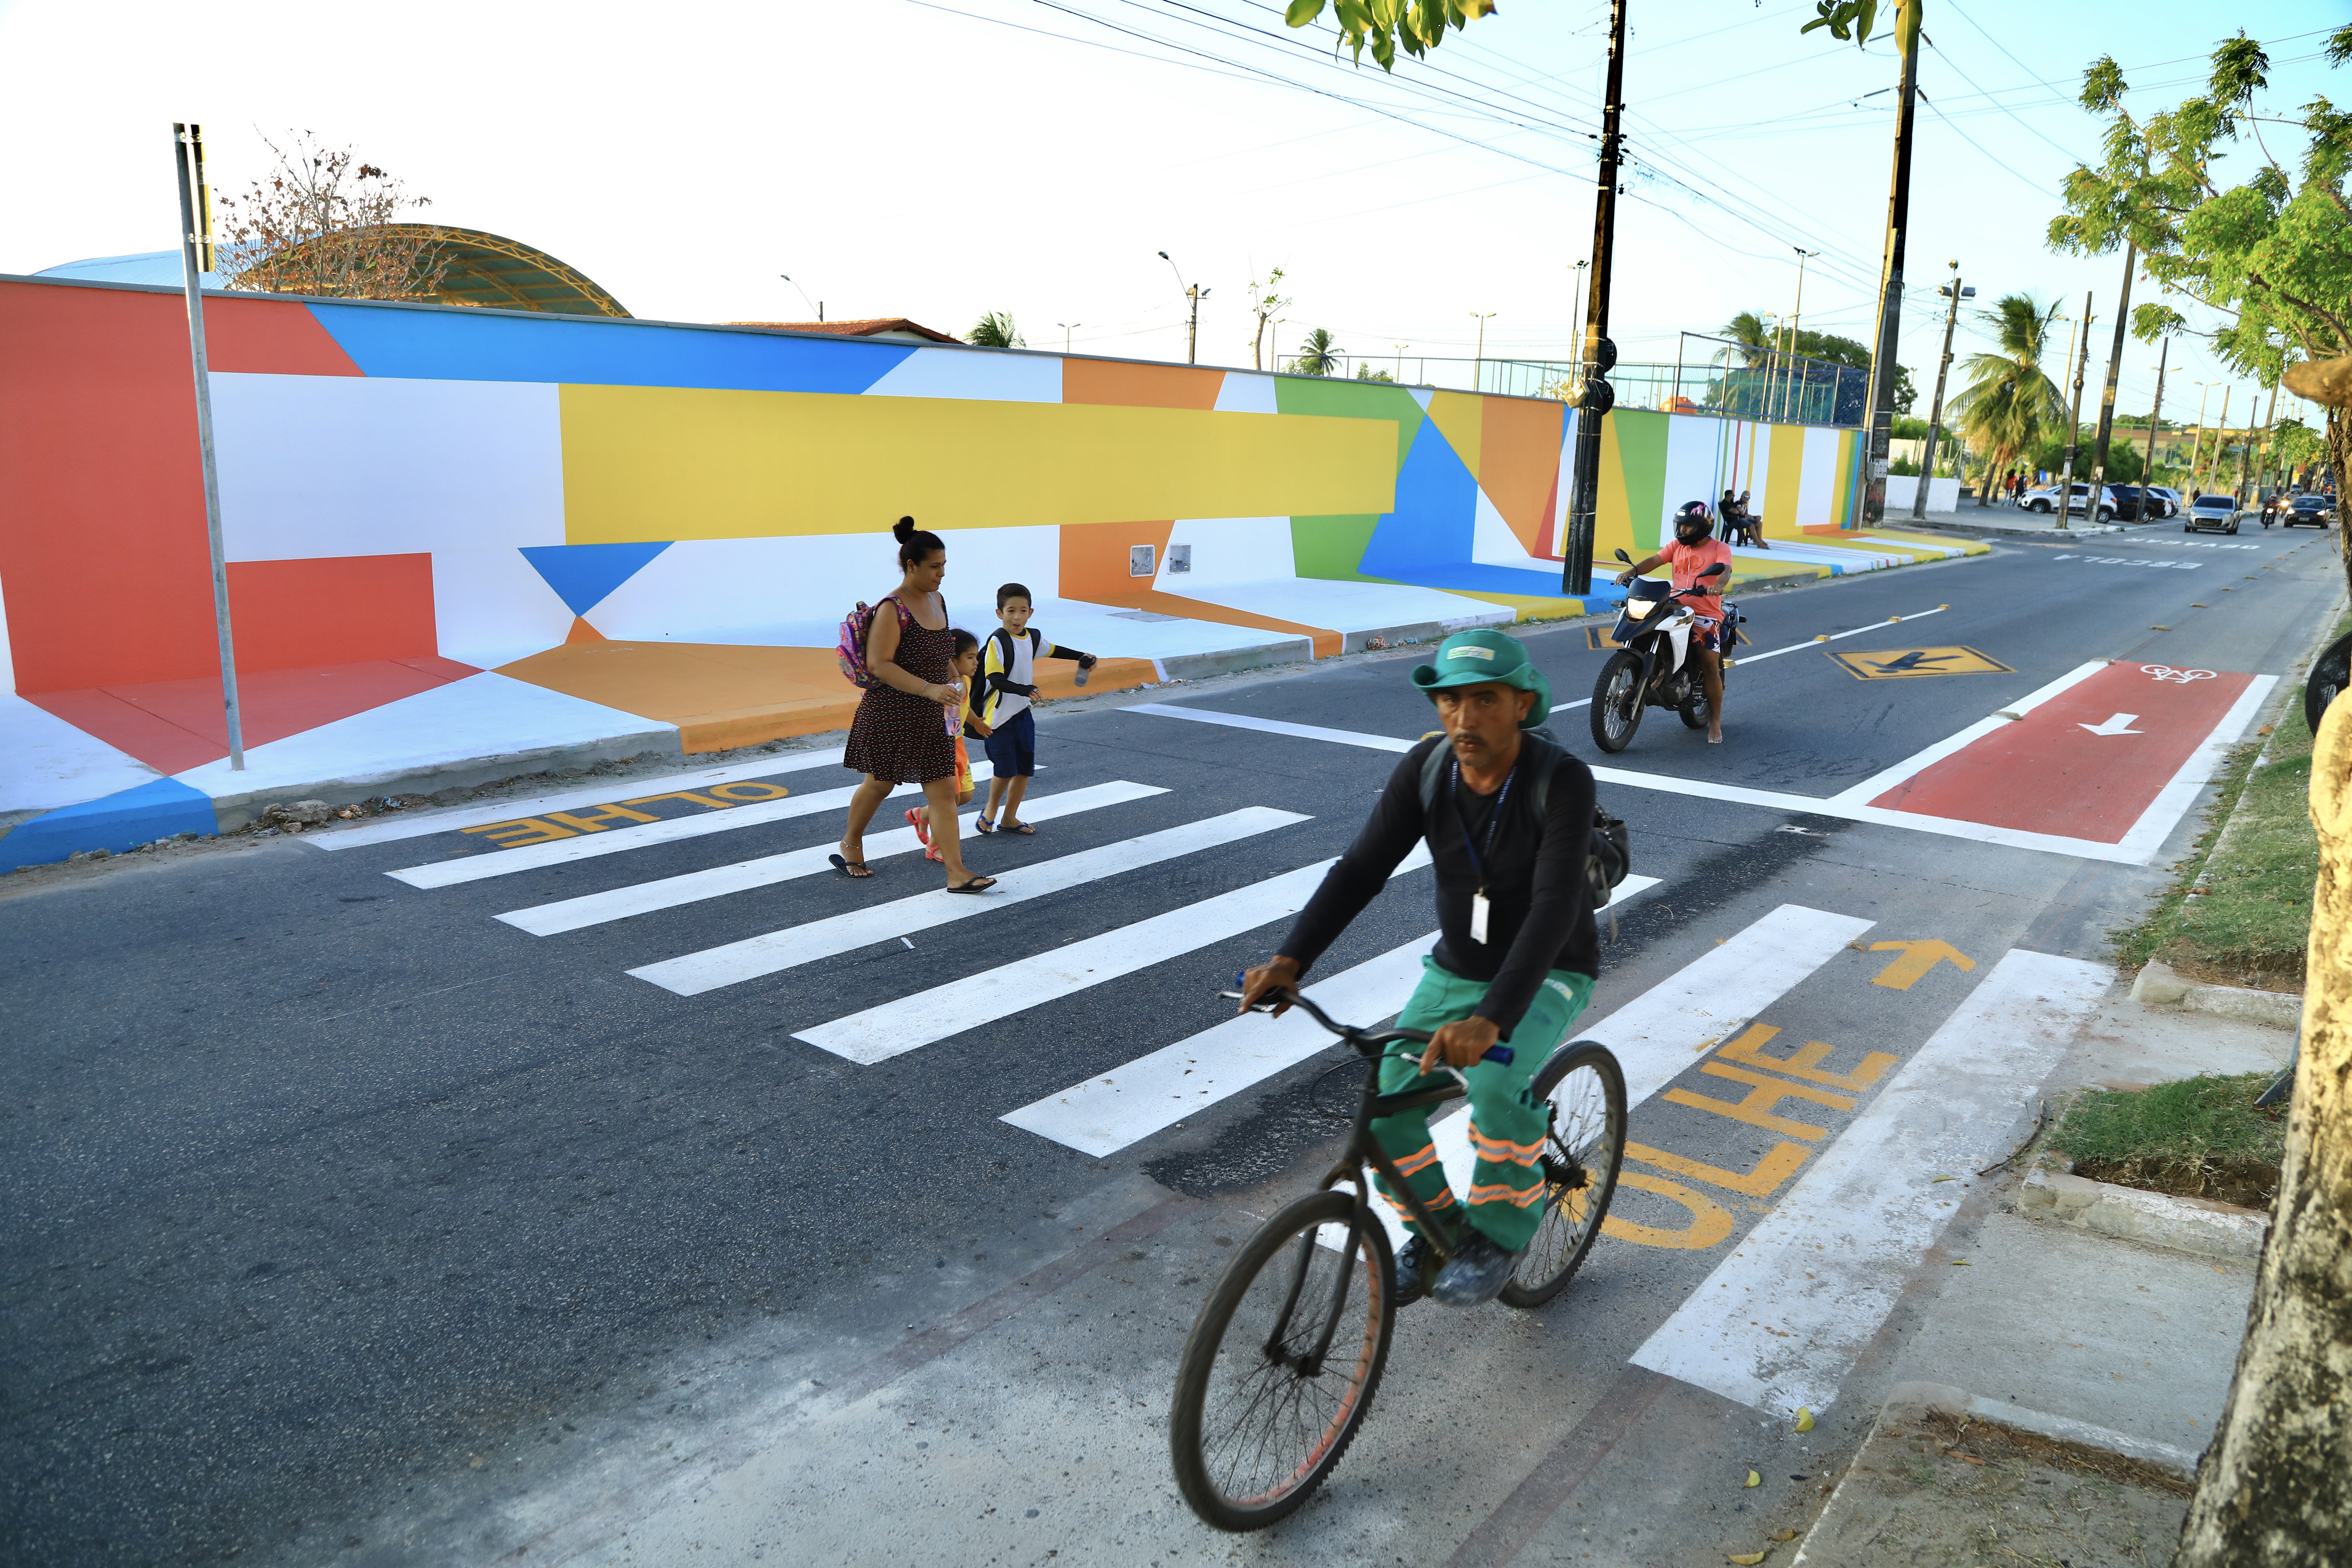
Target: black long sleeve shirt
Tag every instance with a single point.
(1541, 913)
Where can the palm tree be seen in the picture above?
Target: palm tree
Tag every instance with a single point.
(1754, 338)
(1318, 355)
(996, 331)
(2009, 397)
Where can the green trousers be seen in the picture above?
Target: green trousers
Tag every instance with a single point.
(1507, 1121)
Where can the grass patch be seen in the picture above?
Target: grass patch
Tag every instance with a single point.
(2198, 1138)
(2239, 913)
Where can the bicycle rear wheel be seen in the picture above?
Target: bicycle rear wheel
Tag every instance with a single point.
(1282, 1365)
(1583, 1148)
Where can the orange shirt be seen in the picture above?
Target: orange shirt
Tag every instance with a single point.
(1685, 562)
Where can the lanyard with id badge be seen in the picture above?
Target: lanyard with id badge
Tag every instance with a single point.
(1480, 904)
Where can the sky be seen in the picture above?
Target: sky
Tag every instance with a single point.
(937, 159)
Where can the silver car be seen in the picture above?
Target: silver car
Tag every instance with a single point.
(2210, 511)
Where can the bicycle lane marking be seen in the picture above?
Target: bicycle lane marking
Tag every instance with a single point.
(1111, 1110)
(1780, 1323)
(1662, 1033)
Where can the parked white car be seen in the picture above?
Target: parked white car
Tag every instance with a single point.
(2172, 499)
(2078, 502)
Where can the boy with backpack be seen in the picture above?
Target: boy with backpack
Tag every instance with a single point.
(1008, 682)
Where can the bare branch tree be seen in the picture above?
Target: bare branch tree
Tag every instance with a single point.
(324, 223)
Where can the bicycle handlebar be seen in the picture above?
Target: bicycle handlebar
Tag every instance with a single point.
(1367, 1041)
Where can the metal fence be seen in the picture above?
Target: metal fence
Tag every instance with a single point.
(1784, 388)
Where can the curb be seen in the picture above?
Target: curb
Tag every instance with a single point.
(2195, 1226)
(2159, 986)
(2005, 530)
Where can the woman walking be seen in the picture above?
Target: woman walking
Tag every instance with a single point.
(903, 732)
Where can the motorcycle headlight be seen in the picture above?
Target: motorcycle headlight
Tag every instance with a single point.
(1639, 608)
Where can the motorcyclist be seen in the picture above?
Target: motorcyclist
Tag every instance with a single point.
(1692, 550)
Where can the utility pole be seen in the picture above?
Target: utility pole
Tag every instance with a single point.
(1195, 293)
(2268, 420)
(1593, 396)
(2074, 430)
(2221, 434)
(1882, 367)
(1795, 316)
(1936, 411)
(2147, 469)
(188, 154)
(1478, 366)
(2115, 370)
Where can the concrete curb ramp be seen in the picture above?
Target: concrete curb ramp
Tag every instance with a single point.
(2185, 1224)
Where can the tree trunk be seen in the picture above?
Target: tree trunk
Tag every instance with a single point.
(2276, 1487)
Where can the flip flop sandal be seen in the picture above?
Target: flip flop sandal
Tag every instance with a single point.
(1022, 828)
(983, 824)
(855, 870)
(977, 885)
(922, 829)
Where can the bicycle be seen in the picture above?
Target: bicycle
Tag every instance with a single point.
(1284, 1360)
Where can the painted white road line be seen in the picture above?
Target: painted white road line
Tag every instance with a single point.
(1105, 1114)
(894, 1029)
(1275, 727)
(1738, 660)
(1886, 779)
(692, 973)
(669, 893)
(1781, 1321)
(418, 825)
(616, 840)
(1672, 1024)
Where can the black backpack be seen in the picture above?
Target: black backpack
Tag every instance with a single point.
(1610, 855)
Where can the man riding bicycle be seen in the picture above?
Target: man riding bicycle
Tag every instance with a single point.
(1516, 955)
(1692, 549)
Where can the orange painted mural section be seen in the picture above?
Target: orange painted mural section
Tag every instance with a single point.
(1094, 569)
(102, 537)
(1518, 464)
(1139, 385)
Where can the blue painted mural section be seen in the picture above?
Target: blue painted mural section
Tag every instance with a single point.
(583, 575)
(1426, 540)
(140, 815)
(467, 345)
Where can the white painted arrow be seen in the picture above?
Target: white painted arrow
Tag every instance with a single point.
(2118, 725)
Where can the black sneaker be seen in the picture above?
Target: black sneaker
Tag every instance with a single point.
(1478, 1273)
(1413, 1271)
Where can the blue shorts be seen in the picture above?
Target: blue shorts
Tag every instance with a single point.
(1012, 746)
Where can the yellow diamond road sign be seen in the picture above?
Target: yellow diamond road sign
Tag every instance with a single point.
(1904, 663)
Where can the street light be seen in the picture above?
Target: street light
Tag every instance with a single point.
(1195, 293)
(1575, 313)
(1066, 326)
(817, 305)
(1796, 315)
(2197, 441)
(1399, 349)
(1956, 292)
(1478, 369)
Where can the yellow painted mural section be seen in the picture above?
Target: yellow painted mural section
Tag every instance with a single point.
(1784, 473)
(672, 463)
(1613, 511)
(1462, 415)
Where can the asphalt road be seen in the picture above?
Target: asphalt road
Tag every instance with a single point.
(349, 1221)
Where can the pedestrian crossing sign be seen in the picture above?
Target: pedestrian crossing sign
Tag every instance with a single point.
(1904, 663)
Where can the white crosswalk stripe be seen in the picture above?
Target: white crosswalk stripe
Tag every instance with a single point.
(1107, 1112)
(691, 975)
(617, 840)
(895, 1028)
(669, 893)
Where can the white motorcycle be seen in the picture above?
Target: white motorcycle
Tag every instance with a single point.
(1651, 665)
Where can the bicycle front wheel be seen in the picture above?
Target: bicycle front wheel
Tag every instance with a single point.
(1282, 1365)
(1583, 1148)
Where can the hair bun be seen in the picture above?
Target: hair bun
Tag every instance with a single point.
(903, 530)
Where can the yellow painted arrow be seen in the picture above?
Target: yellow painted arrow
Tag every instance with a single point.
(1919, 957)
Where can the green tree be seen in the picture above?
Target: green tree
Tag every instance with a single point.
(1419, 26)
(2006, 397)
(995, 330)
(1752, 336)
(1318, 355)
(2271, 257)
(1267, 301)
(1366, 373)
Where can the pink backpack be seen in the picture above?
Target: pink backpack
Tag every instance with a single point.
(850, 652)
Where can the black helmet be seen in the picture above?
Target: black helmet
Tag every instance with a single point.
(1694, 523)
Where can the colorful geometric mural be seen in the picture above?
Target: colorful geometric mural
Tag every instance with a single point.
(436, 516)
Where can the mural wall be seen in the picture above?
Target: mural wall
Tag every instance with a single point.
(666, 524)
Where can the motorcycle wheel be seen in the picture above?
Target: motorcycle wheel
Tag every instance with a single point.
(1695, 711)
(1617, 702)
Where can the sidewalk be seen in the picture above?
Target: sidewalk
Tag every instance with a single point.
(2000, 522)
(115, 768)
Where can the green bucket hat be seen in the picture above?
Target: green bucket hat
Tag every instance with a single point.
(1466, 659)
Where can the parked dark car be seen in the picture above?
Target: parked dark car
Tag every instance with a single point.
(2130, 499)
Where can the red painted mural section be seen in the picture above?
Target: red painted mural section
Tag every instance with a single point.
(334, 609)
(103, 538)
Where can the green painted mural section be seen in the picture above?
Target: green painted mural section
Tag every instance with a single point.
(1642, 453)
(1330, 547)
(1351, 400)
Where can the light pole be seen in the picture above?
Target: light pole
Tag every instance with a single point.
(818, 305)
(2221, 434)
(1478, 368)
(1066, 326)
(1399, 349)
(1195, 293)
(1936, 410)
(2197, 439)
(196, 250)
(2075, 432)
(2147, 469)
(1795, 316)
